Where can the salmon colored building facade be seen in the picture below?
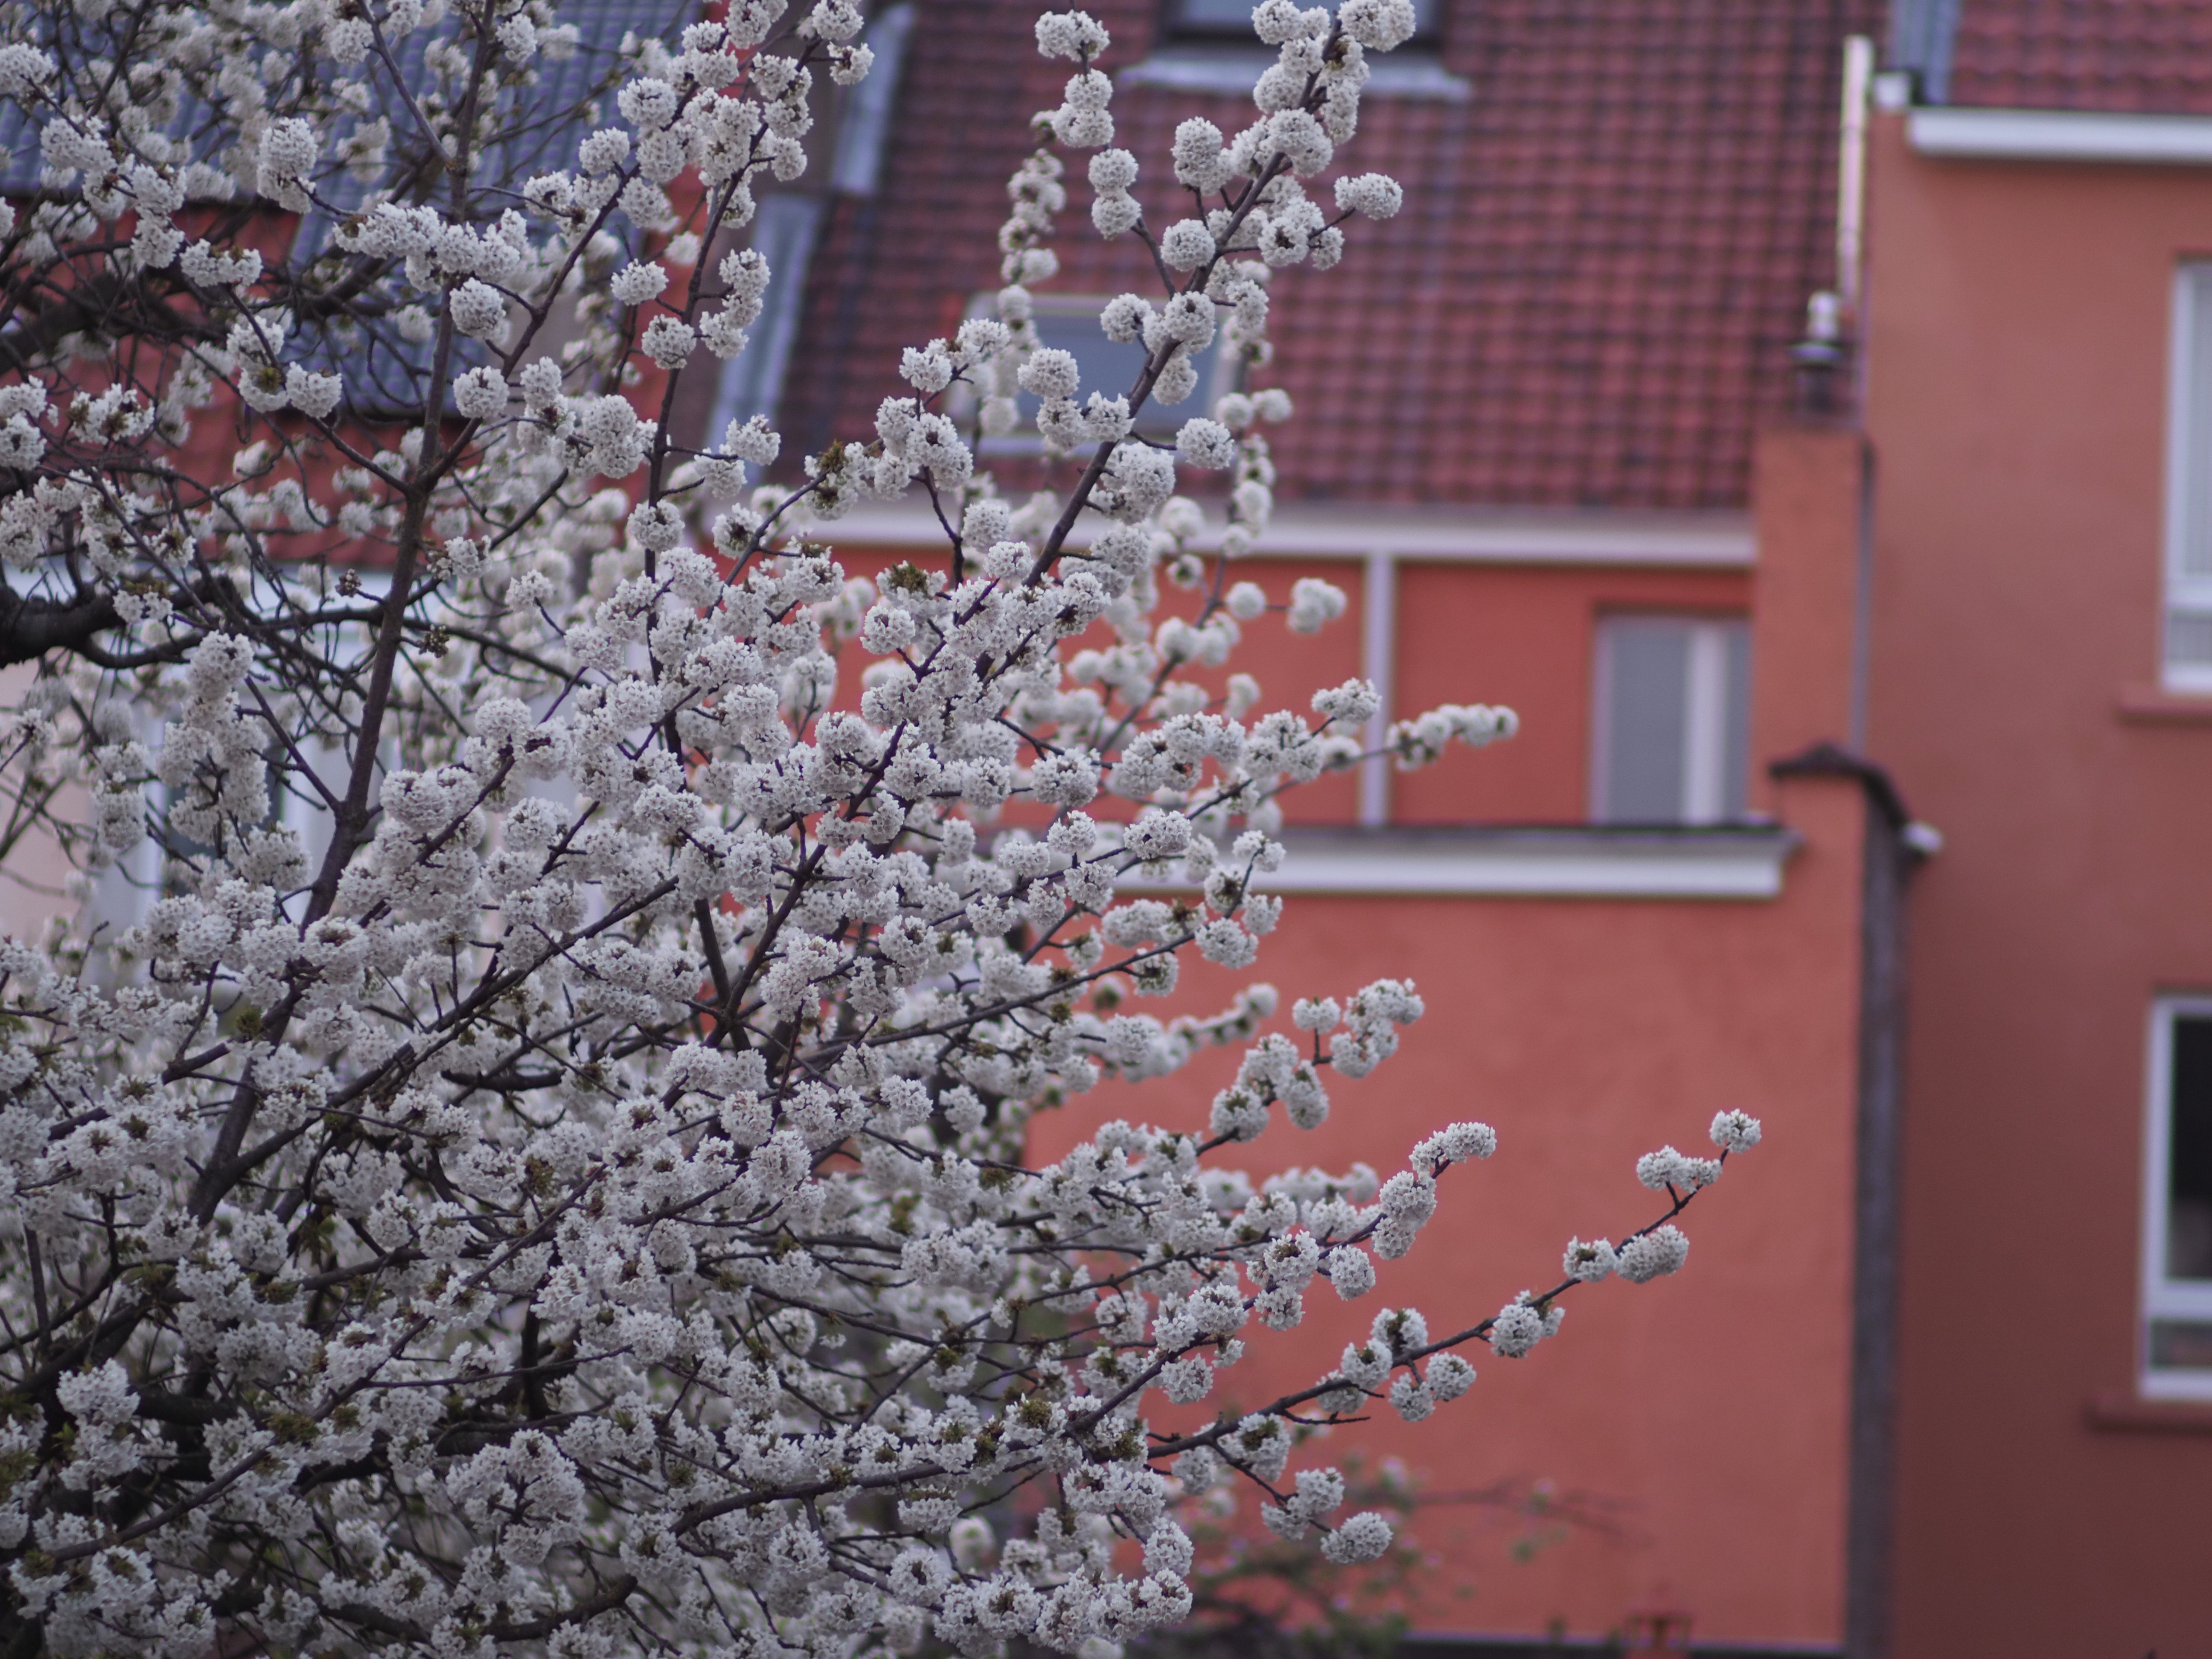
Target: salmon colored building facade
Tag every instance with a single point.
(2036, 405)
(1545, 444)
(1938, 1378)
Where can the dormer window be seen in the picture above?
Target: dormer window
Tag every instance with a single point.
(1230, 21)
(1069, 323)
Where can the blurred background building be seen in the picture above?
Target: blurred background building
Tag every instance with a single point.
(1788, 429)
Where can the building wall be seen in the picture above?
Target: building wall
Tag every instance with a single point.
(1705, 1416)
(2016, 404)
(1707, 1412)
(1522, 635)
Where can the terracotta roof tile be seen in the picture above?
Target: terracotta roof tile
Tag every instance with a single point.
(2122, 55)
(1589, 298)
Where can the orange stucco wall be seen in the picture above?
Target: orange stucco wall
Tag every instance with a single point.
(1709, 1407)
(2018, 375)
(1706, 1415)
(1521, 635)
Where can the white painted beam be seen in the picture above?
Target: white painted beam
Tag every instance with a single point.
(1350, 531)
(1378, 665)
(1570, 863)
(2043, 135)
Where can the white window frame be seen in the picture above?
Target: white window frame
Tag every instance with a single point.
(2163, 1298)
(2188, 477)
(1705, 781)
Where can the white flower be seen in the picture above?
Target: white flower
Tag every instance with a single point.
(1207, 443)
(753, 440)
(1200, 161)
(832, 20)
(1115, 213)
(648, 102)
(1649, 1255)
(1735, 1132)
(1070, 34)
(1456, 1144)
(1378, 25)
(1050, 373)
(604, 152)
(639, 281)
(669, 341)
(1113, 171)
(24, 68)
(1364, 1537)
(313, 394)
(1517, 1329)
(1411, 1399)
(478, 309)
(1370, 195)
(1186, 245)
(480, 394)
(100, 1398)
(656, 526)
(1313, 605)
(1351, 1272)
(1589, 1259)
(1449, 1376)
(929, 371)
(541, 384)
(1123, 318)
(287, 154)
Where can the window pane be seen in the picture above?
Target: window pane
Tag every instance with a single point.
(1215, 16)
(2188, 640)
(1644, 677)
(1673, 721)
(2180, 1345)
(2189, 1152)
(1112, 367)
(1234, 16)
(2195, 537)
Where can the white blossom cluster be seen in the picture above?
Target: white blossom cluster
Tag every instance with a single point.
(524, 1149)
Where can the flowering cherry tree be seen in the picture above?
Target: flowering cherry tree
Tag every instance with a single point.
(524, 1148)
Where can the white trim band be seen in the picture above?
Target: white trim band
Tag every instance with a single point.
(2042, 135)
(1695, 541)
(1569, 863)
(1235, 69)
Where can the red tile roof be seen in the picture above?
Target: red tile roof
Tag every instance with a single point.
(2133, 55)
(1588, 299)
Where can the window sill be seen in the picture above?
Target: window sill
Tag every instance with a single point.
(1734, 862)
(1233, 69)
(2122, 1411)
(2154, 705)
